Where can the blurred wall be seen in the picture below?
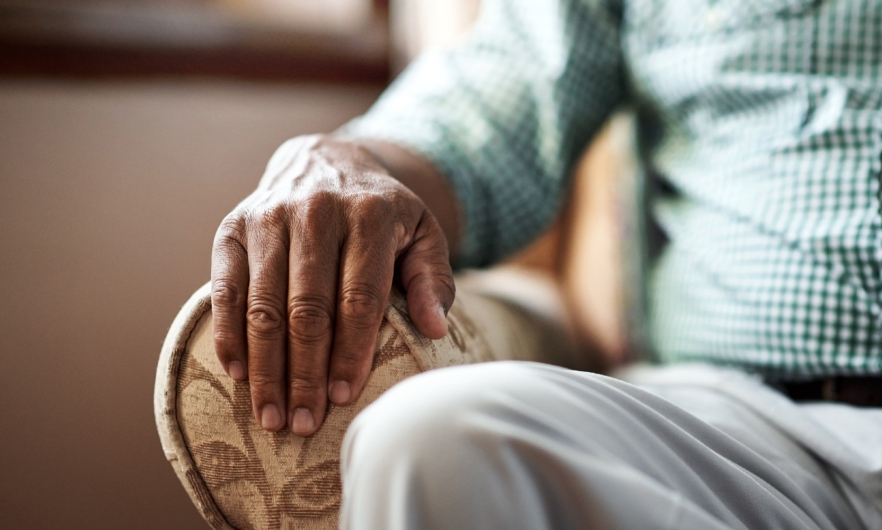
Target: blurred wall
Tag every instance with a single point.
(420, 25)
(110, 194)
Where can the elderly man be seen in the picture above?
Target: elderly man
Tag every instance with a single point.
(763, 122)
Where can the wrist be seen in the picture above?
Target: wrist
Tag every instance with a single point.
(422, 177)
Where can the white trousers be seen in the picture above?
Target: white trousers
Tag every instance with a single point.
(527, 446)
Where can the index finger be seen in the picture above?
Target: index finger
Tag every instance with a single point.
(229, 291)
(266, 324)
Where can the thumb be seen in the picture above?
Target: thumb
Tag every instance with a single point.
(427, 278)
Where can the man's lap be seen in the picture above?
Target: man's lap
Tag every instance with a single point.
(526, 445)
(840, 442)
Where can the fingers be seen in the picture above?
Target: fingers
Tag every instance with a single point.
(229, 292)
(312, 288)
(366, 269)
(299, 289)
(266, 319)
(428, 279)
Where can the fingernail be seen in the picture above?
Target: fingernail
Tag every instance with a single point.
(303, 422)
(340, 392)
(270, 417)
(443, 317)
(236, 370)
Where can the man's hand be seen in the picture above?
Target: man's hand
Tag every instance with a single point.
(301, 271)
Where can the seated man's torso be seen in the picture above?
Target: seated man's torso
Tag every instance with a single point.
(770, 122)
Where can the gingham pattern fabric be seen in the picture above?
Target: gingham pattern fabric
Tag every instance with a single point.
(763, 119)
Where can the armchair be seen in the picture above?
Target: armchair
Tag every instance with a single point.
(240, 476)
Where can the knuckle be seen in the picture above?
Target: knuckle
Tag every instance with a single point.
(400, 228)
(401, 197)
(264, 319)
(230, 236)
(372, 206)
(445, 279)
(272, 216)
(232, 226)
(318, 209)
(309, 319)
(350, 362)
(305, 384)
(361, 304)
(264, 382)
(225, 293)
(322, 199)
(226, 345)
(372, 224)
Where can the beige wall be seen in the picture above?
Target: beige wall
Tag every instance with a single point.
(421, 25)
(109, 197)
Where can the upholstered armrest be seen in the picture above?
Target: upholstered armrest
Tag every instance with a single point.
(240, 476)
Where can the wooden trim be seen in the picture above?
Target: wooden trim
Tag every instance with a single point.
(82, 41)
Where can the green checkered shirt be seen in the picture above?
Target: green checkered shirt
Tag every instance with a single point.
(761, 118)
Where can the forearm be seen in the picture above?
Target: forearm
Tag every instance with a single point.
(426, 181)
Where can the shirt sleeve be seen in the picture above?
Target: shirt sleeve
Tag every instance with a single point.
(505, 115)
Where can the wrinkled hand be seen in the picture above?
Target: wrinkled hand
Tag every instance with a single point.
(301, 272)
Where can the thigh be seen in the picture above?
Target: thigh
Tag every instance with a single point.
(823, 447)
(522, 445)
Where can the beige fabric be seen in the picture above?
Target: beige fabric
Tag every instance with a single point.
(240, 476)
